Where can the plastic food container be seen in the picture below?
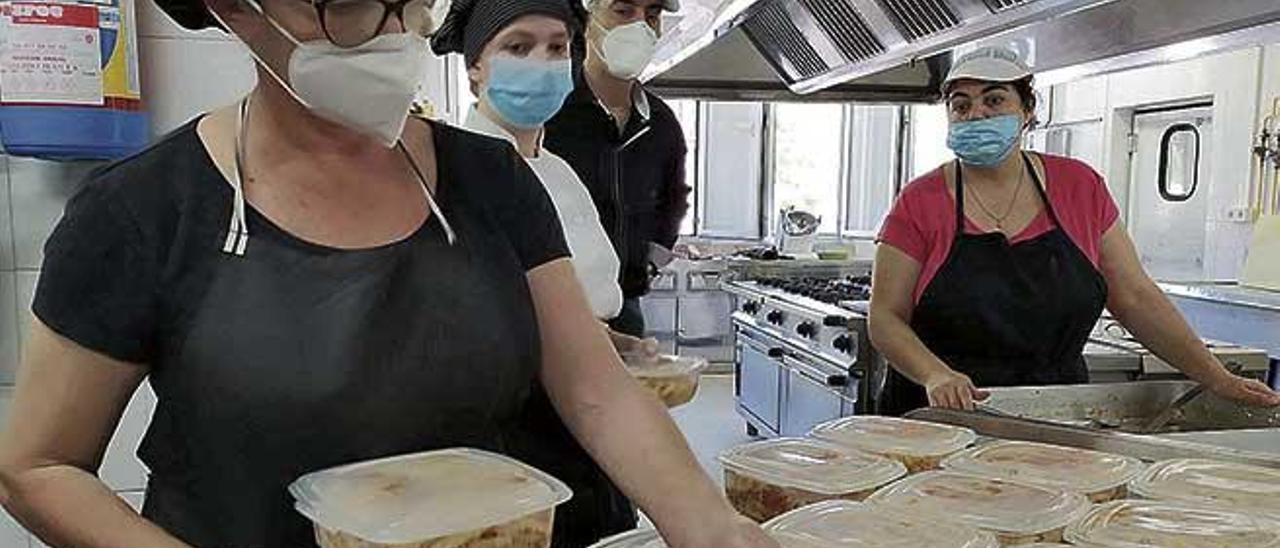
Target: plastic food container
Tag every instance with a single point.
(1102, 477)
(845, 524)
(439, 499)
(674, 379)
(1232, 486)
(766, 479)
(919, 445)
(1138, 523)
(639, 538)
(1016, 513)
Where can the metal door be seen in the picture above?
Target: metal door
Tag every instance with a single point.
(759, 380)
(810, 401)
(1169, 184)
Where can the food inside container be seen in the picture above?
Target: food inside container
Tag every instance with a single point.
(638, 538)
(1102, 477)
(1233, 486)
(769, 478)
(919, 445)
(1140, 523)
(439, 499)
(845, 524)
(674, 379)
(1016, 513)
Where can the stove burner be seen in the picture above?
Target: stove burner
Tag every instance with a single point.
(827, 290)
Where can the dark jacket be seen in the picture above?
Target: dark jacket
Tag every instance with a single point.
(636, 177)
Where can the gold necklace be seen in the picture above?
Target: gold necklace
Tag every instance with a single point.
(1000, 219)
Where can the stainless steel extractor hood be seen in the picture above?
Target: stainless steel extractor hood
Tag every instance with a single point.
(898, 50)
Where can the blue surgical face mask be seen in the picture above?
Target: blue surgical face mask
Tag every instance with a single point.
(985, 142)
(525, 92)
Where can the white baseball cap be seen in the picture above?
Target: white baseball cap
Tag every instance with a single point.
(669, 5)
(988, 64)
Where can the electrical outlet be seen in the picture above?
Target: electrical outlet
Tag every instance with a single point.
(1240, 214)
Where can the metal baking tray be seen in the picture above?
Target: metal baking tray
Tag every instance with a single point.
(1127, 406)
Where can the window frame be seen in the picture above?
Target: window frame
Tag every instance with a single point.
(1166, 142)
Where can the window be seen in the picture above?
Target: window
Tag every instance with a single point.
(929, 125)
(687, 114)
(808, 145)
(872, 167)
(729, 195)
(1179, 162)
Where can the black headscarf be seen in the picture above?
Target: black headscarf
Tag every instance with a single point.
(470, 24)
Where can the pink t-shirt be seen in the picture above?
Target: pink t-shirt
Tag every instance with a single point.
(922, 222)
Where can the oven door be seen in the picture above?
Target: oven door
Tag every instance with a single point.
(759, 379)
(814, 395)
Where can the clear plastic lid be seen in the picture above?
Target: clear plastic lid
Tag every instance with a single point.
(812, 465)
(1055, 466)
(423, 496)
(638, 538)
(995, 505)
(1210, 482)
(664, 366)
(845, 524)
(888, 435)
(1139, 523)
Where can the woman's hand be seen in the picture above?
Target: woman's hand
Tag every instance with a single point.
(738, 532)
(629, 346)
(1245, 391)
(953, 390)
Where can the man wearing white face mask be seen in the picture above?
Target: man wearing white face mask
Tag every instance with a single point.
(625, 143)
(306, 279)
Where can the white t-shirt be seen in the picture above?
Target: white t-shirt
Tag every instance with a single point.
(594, 259)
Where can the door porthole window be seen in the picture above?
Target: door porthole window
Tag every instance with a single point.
(1179, 174)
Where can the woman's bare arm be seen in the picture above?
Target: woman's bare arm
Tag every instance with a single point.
(68, 403)
(1146, 311)
(892, 304)
(624, 427)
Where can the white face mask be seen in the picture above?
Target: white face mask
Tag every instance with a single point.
(368, 88)
(627, 49)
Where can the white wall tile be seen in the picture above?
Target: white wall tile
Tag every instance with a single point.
(39, 191)
(121, 469)
(8, 328)
(26, 294)
(12, 535)
(184, 77)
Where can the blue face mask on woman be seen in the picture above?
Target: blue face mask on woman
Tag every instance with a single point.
(985, 142)
(525, 92)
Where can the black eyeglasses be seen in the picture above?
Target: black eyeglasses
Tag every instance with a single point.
(349, 23)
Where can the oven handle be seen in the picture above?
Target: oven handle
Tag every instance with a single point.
(804, 376)
(770, 351)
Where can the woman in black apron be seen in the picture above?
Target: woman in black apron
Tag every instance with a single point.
(308, 279)
(997, 313)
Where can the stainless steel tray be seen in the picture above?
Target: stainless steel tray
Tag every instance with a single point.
(1148, 448)
(1128, 405)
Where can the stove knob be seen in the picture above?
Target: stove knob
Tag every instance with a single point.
(751, 307)
(774, 317)
(843, 343)
(807, 330)
(835, 321)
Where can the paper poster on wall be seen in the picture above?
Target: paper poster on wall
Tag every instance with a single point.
(50, 54)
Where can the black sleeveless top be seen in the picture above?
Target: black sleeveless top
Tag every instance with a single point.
(297, 357)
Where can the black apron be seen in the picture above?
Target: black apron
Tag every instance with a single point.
(1006, 314)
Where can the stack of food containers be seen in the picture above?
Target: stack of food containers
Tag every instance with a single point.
(1236, 487)
(440, 499)
(919, 445)
(1137, 523)
(1101, 477)
(769, 478)
(844, 524)
(674, 379)
(1016, 513)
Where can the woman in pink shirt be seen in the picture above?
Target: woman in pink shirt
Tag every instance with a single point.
(993, 270)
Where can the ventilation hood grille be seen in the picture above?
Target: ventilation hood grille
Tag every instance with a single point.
(899, 50)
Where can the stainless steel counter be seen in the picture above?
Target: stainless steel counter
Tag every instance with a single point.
(1226, 293)
(1260, 440)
